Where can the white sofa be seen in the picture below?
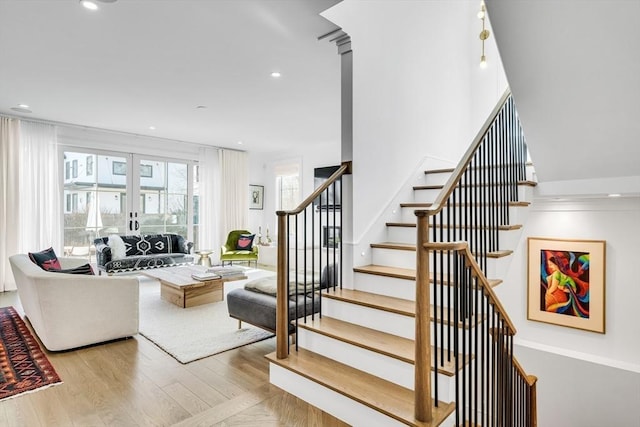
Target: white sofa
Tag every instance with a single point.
(72, 310)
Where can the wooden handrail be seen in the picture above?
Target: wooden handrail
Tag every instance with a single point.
(344, 169)
(282, 309)
(477, 271)
(453, 180)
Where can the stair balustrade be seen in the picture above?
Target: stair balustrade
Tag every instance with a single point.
(309, 240)
(456, 236)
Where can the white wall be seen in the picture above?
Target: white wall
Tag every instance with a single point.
(261, 173)
(415, 78)
(585, 378)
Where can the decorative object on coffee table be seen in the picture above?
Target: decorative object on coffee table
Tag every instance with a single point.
(25, 367)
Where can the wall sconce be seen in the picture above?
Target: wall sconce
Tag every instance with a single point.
(484, 34)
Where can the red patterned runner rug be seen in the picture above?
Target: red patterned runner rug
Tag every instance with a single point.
(23, 365)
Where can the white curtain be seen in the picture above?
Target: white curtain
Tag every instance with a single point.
(40, 188)
(30, 219)
(209, 202)
(9, 235)
(234, 189)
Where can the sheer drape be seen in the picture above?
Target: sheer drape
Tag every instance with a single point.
(30, 218)
(40, 192)
(234, 189)
(209, 236)
(9, 160)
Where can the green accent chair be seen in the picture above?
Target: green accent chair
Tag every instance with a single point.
(229, 253)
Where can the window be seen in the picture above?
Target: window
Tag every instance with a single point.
(74, 169)
(74, 202)
(287, 185)
(89, 165)
(68, 203)
(67, 170)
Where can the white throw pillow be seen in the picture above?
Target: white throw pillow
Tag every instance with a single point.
(118, 249)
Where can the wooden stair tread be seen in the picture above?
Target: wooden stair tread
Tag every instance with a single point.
(515, 203)
(391, 245)
(395, 305)
(383, 270)
(428, 187)
(443, 170)
(412, 247)
(481, 184)
(404, 273)
(390, 345)
(507, 227)
(381, 302)
(416, 205)
(386, 397)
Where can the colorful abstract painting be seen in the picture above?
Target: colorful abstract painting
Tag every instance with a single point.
(566, 282)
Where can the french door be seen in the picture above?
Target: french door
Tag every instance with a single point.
(122, 193)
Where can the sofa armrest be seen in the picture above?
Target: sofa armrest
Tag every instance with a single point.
(103, 254)
(78, 310)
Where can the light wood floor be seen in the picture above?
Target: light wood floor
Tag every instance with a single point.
(134, 383)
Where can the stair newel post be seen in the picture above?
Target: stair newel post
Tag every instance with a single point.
(532, 380)
(422, 382)
(282, 327)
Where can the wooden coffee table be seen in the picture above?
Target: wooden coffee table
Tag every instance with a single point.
(179, 288)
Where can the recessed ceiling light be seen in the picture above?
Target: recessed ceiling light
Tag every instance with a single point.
(22, 108)
(615, 195)
(275, 74)
(152, 128)
(88, 4)
(240, 142)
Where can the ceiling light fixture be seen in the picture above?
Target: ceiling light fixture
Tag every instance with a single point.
(92, 5)
(22, 108)
(152, 128)
(88, 4)
(240, 142)
(276, 74)
(615, 195)
(484, 34)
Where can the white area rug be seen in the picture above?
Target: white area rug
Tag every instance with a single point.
(193, 333)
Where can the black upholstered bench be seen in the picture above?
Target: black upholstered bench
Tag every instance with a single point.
(256, 303)
(259, 309)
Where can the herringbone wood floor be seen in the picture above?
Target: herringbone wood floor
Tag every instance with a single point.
(133, 383)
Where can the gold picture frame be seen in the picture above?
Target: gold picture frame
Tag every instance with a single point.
(566, 283)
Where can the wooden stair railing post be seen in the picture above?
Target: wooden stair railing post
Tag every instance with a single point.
(532, 380)
(422, 382)
(282, 311)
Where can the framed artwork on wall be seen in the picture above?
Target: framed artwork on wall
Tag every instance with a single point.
(566, 283)
(256, 196)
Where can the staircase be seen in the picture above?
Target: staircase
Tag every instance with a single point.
(419, 338)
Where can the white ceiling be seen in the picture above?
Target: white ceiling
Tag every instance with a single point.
(574, 69)
(139, 63)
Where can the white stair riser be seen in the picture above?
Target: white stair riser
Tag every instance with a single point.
(393, 258)
(525, 192)
(377, 364)
(399, 288)
(496, 267)
(508, 238)
(383, 285)
(439, 178)
(336, 404)
(391, 323)
(425, 196)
